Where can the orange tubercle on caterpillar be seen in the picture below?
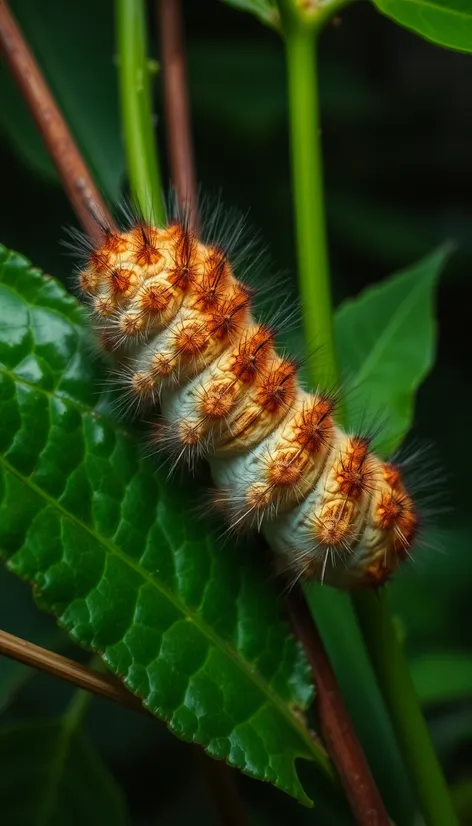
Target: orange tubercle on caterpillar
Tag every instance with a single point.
(181, 321)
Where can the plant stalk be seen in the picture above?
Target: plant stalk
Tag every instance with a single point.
(103, 685)
(307, 177)
(394, 678)
(136, 110)
(387, 656)
(177, 108)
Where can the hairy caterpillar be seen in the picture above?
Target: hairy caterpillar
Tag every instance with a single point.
(190, 349)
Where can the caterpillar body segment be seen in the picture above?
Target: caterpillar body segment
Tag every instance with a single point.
(186, 340)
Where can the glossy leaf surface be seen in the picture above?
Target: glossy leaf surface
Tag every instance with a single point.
(446, 22)
(115, 551)
(386, 343)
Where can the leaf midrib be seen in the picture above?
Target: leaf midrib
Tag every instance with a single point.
(206, 630)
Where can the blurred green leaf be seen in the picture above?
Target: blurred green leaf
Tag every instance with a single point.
(73, 43)
(431, 596)
(114, 551)
(386, 342)
(461, 794)
(446, 22)
(265, 10)
(52, 776)
(442, 676)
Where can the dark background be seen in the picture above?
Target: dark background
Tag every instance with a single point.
(397, 141)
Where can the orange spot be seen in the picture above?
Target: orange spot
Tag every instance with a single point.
(334, 523)
(121, 280)
(277, 389)
(142, 384)
(104, 306)
(115, 242)
(154, 298)
(89, 281)
(353, 472)
(286, 470)
(406, 527)
(251, 355)
(144, 244)
(388, 510)
(392, 475)
(210, 288)
(191, 339)
(131, 324)
(317, 426)
(161, 365)
(183, 271)
(218, 400)
(226, 317)
(100, 260)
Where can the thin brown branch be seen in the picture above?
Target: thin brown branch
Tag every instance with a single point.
(103, 685)
(177, 110)
(336, 727)
(80, 188)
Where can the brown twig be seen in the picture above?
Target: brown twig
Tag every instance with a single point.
(177, 110)
(103, 685)
(81, 190)
(336, 727)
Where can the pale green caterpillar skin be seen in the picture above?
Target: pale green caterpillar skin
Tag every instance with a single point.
(181, 323)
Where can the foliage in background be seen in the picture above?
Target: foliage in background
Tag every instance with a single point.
(372, 235)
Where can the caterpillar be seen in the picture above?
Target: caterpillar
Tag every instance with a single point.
(190, 350)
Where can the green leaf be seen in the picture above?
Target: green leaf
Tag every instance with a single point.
(116, 553)
(386, 343)
(442, 676)
(77, 60)
(265, 10)
(446, 22)
(52, 776)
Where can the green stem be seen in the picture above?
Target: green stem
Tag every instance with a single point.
(136, 109)
(394, 679)
(300, 30)
(313, 266)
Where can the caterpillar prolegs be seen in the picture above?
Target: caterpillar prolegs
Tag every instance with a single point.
(191, 350)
